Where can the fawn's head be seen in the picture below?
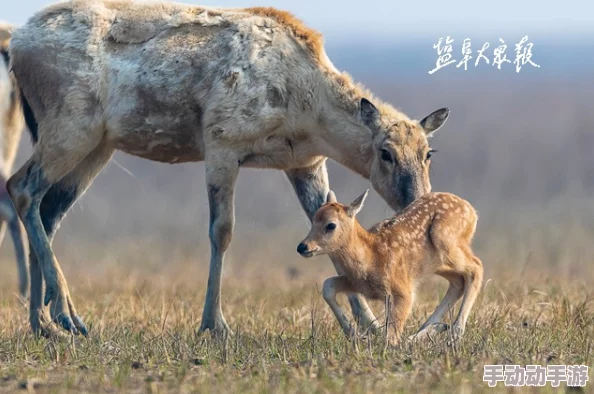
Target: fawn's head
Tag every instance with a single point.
(331, 227)
(401, 153)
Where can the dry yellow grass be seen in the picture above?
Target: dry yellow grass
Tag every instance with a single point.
(142, 336)
(135, 253)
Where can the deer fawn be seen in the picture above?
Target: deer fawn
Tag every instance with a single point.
(432, 235)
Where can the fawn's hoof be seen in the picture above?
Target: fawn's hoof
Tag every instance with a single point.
(373, 329)
(457, 333)
(429, 332)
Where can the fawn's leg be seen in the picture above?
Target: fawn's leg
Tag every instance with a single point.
(401, 305)
(333, 286)
(473, 280)
(8, 214)
(449, 300)
(42, 191)
(221, 174)
(312, 187)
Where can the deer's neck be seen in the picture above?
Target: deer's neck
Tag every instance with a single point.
(359, 256)
(345, 139)
(349, 145)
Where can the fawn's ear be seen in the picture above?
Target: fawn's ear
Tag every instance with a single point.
(356, 205)
(331, 197)
(432, 122)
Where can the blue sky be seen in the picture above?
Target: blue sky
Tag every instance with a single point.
(393, 18)
(379, 35)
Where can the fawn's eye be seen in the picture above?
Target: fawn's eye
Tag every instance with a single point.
(430, 153)
(386, 156)
(330, 226)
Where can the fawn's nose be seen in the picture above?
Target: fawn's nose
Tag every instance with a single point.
(301, 248)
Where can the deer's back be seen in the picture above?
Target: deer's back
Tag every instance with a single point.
(150, 68)
(409, 239)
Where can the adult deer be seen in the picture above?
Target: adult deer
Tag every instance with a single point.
(11, 129)
(177, 83)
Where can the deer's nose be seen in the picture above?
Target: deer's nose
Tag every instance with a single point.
(301, 248)
(408, 189)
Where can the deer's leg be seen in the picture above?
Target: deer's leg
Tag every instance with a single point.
(54, 206)
(3, 220)
(312, 187)
(400, 309)
(8, 214)
(433, 324)
(333, 286)
(473, 279)
(221, 175)
(42, 191)
(2, 229)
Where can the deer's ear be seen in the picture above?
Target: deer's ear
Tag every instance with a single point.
(369, 114)
(331, 197)
(356, 205)
(5, 32)
(432, 122)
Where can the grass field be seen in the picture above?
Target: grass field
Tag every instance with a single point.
(143, 337)
(135, 254)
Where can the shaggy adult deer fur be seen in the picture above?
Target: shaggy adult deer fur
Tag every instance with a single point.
(431, 236)
(177, 83)
(11, 129)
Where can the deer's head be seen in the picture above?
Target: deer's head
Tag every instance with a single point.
(332, 227)
(401, 154)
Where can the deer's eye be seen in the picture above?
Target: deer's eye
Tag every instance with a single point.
(386, 156)
(330, 226)
(430, 153)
